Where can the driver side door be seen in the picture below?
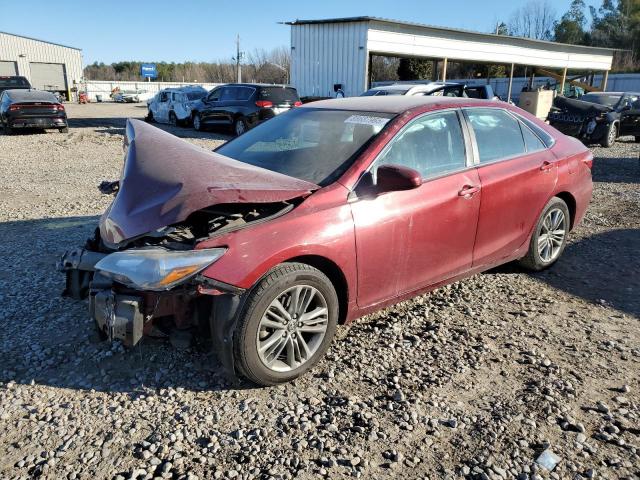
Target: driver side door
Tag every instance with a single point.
(411, 239)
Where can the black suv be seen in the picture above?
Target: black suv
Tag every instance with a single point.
(598, 117)
(242, 106)
(13, 83)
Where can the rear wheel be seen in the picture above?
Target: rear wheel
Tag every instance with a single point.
(7, 130)
(611, 136)
(286, 324)
(637, 138)
(64, 130)
(173, 120)
(549, 237)
(239, 126)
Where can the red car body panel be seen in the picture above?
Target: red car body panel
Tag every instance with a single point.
(408, 242)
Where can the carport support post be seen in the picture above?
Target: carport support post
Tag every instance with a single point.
(510, 84)
(564, 80)
(444, 69)
(605, 78)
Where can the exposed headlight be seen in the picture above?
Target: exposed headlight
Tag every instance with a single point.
(156, 268)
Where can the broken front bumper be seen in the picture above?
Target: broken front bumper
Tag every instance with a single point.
(117, 317)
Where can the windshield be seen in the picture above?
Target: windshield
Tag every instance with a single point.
(395, 91)
(13, 82)
(315, 145)
(196, 95)
(608, 100)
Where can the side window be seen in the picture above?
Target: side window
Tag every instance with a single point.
(497, 133)
(531, 140)
(228, 93)
(433, 145)
(244, 93)
(164, 96)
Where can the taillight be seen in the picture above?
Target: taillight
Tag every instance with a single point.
(297, 104)
(264, 104)
(59, 107)
(13, 108)
(588, 160)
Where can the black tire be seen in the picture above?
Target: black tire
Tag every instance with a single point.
(7, 130)
(245, 338)
(533, 260)
(610, 137)
(240, 126)
(637, 138)
(149, 118)
(197, 122)
(64, 130)
(173, 120)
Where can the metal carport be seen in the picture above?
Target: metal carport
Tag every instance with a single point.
(337, 51)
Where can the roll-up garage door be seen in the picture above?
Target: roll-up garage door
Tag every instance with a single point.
(48, 76)
(8, 68)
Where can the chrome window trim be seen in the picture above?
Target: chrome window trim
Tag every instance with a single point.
(527, 123)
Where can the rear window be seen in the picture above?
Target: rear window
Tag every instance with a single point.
(279, 94)
(13, 82)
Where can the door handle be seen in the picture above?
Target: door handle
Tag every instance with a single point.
(468, 191)
(546, 166)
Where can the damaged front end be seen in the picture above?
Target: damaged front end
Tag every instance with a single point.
(586, 121)
(142, 268)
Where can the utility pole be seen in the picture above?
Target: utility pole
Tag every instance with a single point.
(238, 58)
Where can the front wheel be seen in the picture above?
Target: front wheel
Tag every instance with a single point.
(197, 122)
(173, 120)
(549, 237)
(610, 138)
(286, 324)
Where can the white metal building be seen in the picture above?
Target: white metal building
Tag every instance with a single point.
(47, 66)
(337, 51)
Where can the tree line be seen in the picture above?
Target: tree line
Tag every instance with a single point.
(260, 65)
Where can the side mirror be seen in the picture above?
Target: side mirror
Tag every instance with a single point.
(392, 178)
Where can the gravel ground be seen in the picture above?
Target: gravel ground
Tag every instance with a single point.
(474, 380)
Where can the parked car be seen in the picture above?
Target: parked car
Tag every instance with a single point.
(31, 109)
(446, 89)
(242, 106)
(332, 211)
(133, 96)
(174, 105)
(598, 117)
(14, 83)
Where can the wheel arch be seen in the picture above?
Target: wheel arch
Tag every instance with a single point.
(570, 200)
(336, 277)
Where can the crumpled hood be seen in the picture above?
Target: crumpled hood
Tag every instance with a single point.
(571, 105)
(165, 179)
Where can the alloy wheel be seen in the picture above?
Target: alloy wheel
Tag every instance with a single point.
(552, 234)
(196, 122)
(292, 328)
(612, 135)
(240, 127)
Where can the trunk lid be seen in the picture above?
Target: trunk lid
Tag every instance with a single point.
(165, 179)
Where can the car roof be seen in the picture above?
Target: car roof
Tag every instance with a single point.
(23, 95)
(395, 104)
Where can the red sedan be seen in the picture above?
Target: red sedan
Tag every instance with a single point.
(320, 216)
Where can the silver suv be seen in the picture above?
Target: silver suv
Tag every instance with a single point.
(174, 105)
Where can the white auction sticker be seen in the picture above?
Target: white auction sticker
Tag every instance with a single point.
(367, 120)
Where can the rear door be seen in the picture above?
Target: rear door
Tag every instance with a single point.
(518, 174)
(630, 118)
